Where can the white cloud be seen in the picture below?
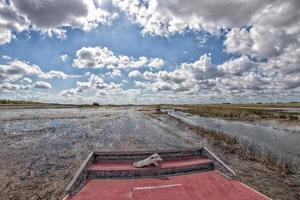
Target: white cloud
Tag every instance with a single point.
(265, 31)
(141, 84)
(94, 57)
(97, 57)
(274, 36)
(54, 74)
(10, 21)
(291, 82)
(274, 29)
(64, 57)
(201, 69)
(7, 87)
(114, 73)
(169, 16)
(149, 75)
(26, 80)
(42, 85)
(238, 66)
(156, 63)
(134, 73)
(6, 57)
(52, 17)
(16, 69)
(69, 92)
(55, 14)
(94, 84)
(264, 37)
(202, 76)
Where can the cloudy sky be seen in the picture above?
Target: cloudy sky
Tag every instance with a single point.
(150, 51)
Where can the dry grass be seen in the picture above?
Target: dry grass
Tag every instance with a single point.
(235, 112)
(247, 150)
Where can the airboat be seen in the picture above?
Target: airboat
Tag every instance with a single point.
(187, 174)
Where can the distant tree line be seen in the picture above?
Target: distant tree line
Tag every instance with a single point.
(7, 101)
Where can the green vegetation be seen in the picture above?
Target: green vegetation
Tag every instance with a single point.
(21, 103)
(14, 102)
(95, 104)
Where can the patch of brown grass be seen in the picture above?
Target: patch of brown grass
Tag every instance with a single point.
(232, 112)
(247, 150)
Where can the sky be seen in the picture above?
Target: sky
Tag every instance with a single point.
(150, 51)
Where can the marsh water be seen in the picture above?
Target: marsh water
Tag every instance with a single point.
(41, 149)
(280, 140)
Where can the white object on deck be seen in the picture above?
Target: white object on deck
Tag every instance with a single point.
(153, 159)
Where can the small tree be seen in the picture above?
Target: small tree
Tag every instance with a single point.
(95, 104)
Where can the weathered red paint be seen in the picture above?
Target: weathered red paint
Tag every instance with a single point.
(198, 186)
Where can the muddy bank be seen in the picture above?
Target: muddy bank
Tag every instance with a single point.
(41, 149)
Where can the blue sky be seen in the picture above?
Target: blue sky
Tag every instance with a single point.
(202, 58)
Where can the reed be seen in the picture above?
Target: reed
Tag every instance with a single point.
(247, 150)
(241, 113)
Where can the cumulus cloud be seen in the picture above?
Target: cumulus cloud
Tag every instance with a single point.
(238, 66)
(114, 73)
(52, 16)
(10, 21)
(201, 69)
(262, 36)
(202, 76)
(274, 35)
(26, 80)
(98, 57)
(94, 83)
(134, 73)
(42, 85)
(7, 87)
(156, 63)
(69, 92)
(141, 84)
(54, 74)
(291, 82)
(256, 30)
(16, 69)
(169, 17)
(273, 30)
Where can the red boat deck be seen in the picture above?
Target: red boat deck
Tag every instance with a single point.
(162, 165)
(198, 186)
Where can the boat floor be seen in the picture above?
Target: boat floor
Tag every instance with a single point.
(197, 186)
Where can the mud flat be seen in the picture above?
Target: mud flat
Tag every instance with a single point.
(41, 149)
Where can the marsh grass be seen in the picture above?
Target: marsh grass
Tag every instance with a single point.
(234, 112)
(247, 150)
(250, 151)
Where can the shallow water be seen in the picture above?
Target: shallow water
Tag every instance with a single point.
(288, 110)
(109, 128)
(41, 149)
(286, 142)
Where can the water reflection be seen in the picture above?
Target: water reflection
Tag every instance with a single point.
(283, 141)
